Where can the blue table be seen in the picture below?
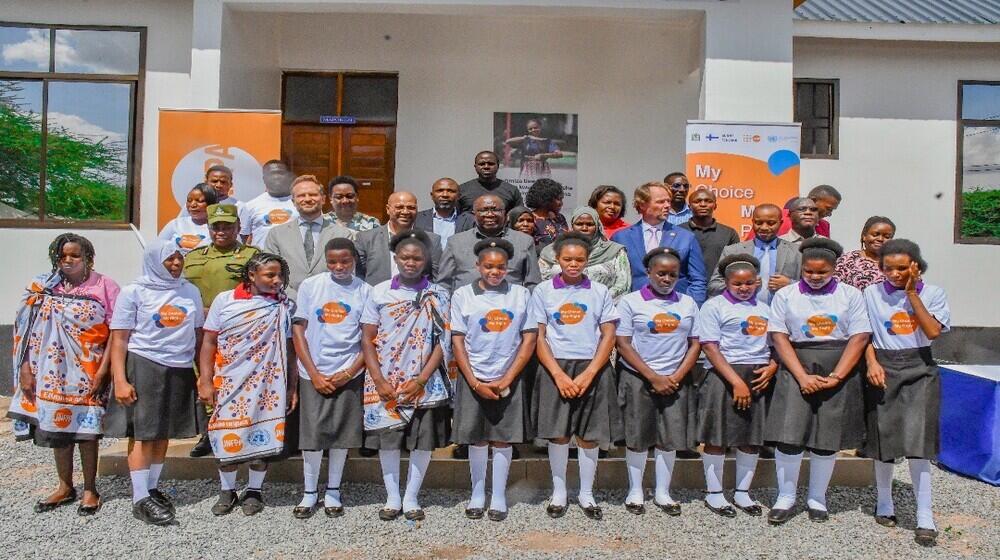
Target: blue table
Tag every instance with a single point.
(970, 421)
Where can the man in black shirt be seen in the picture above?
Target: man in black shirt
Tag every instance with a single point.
(712, 236)
(486, 164)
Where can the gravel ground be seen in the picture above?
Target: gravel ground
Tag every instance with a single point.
(968, 516)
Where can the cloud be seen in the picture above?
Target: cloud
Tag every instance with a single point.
(78, 126)
(33, 50)
(99, 52)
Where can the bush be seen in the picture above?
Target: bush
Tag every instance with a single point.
(981, 213)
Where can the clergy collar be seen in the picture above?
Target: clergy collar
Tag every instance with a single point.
(648, 295)
(397, 284)
(558, 283)
(890, 289)
(830, 287)
(734, 300)
(503, 288)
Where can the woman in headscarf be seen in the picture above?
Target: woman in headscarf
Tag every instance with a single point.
(155, 334)
(66, 312)
(521, 219)
(608, 261)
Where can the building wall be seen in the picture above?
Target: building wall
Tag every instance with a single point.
(634, 84)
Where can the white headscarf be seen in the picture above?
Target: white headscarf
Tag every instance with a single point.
(155, 276)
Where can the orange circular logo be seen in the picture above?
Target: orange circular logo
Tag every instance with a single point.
(62, 418)
(232, 443)
(189, 241)
(664, 323)
(901, 322)
(279, 431)
(278, 216)
(570, 313)
(819, 325)
(170, 316)
(496, 320)
(755, 325)
(28, 405)
(333, 312)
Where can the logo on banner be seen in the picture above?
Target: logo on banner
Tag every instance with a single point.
(695, 137)
(711, 137)
(232, 443)
(259, 438)
(62, 418)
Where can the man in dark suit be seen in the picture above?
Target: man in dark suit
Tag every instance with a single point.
(300, 241)
(652, 201)
(780, 260)
(444, 219)
(375, 261)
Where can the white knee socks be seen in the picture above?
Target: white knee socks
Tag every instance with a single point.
(140, 484)
(228, 480)
(419, 460)
(558, 459)
(502, 457)
(587, 461)
(636, 462)
(713, 466)
(883, 487)
(478, 457)
(920, 475)
(390, 477)
(664, 472)
(787, 472)
(334, 472)
(154, 475)
(255, 479)
(746, 465)
(311, 461)
(820, 472)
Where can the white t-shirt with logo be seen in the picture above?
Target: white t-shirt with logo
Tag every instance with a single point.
(572, 316)
(162, 322)
(185, 234)
(333, 321)
(837, 314)
(660, 327)
(738, 327)
(264, 212)
(894, 327)
(492, 322)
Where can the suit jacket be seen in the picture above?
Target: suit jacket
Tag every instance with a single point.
(374, 266)
(458, 264)
(789, 263)
(425, 221)
(286, 241)
(692, 280)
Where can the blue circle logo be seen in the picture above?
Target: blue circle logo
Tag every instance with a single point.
(259, 438)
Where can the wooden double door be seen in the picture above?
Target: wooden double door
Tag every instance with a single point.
(365, 149)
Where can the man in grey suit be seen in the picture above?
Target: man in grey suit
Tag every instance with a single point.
(375, 261)
(780, 260)
(300, 241)
(458, 265)
(444, 219)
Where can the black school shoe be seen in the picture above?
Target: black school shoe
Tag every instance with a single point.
(886, 520)
(635, 509)
(925, 537)
(819, 515)
(496, 515)
(554, 511)
(163, 500)
(593, 512)
(150, 512)
(305, 512)
(780, 516)
(672, 510)
(474, 513)
(43, 507)
(387, 514)
(201, 449)
(252, 502)
(227, 501)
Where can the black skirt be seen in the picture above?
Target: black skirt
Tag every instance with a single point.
(720, 423)
(164, 407)
(589, 417)
(903, 419)
(427, 430)
(830, 420)
(478, 419)
(654, 420)
(331, 421)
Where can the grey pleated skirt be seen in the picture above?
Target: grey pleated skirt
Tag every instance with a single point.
(429, 429)
(830, 420)
(478, 419)
(651, 419)
(903, 419)
(589, 417)
(164, 407)
(719, 422)
(331, 421)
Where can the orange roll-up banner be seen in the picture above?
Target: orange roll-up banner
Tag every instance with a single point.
(192, 140)
(744, 164)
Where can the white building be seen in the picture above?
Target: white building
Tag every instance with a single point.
(635, 72)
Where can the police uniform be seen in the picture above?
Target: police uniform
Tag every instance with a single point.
(214, 270)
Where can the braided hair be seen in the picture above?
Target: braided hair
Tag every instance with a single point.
(259, 260)
(56, 249)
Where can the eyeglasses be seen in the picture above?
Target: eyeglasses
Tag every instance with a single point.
(680, 186)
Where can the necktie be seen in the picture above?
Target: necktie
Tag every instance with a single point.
(308, 243)
(765, 274)
(652, 239)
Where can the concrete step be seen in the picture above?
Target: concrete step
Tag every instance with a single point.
(531, 471)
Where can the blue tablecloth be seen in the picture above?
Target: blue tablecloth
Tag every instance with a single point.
(970, 421)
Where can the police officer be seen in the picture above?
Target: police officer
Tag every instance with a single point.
(215, 269)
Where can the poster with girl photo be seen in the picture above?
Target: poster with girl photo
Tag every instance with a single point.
(536, 145)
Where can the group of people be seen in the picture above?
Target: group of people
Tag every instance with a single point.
(271, 325)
